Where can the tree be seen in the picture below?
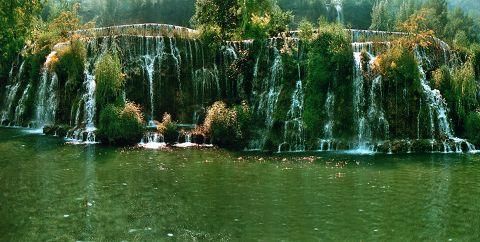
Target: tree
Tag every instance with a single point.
(436, 15)
(380, 16)
(460, 28)
(240, 18)
(221, 13)
(16, 18)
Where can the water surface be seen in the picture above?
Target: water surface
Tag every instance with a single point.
(50, 190)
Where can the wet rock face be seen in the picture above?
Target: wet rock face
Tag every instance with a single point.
(56, 130)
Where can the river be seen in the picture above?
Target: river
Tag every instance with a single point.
(50, 190)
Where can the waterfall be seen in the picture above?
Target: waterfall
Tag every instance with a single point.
(11, 93)
(46, 103)
(90, 106)
(152, 140)
(84, 130)
(175, 53)
(371, 124)
(220, 75)
(206, 83)
(359, 102)
(326, 144)
(154, 52)
(269, 99)
(376, 114)
(267, 95)
(22, 105)
(294, 138)
(229, 56)
(437, 105)
(339, 10)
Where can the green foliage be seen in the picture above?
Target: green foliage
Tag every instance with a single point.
(401, 89)
(223, 14)
(110, 81)
(231, 19)
(120, 125)
(472, 127)
(464, 85)
(228, 127)
(265, 22)
(306, 30)
(168, 129)
(475, 58)
(117, 12)
(459, 89)
(398, 65)
(71, 64)
(329, 67)
(380, 16)
(16, 19)
(460, 28)
(437, 15)
(47, 34)
(211, 35)
(357, 13)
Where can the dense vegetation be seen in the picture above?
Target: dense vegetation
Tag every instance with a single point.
(121, 122)
(329, 55)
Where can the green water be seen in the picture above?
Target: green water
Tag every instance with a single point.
(53, 191)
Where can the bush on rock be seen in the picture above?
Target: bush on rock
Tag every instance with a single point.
(168, 129)
(227, 127)
(121, 125)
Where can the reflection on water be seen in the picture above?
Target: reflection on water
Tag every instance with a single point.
(53, 191)
(90, 181)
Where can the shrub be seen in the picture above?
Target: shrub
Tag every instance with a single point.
(212, 35)
(110, 81)
(269, 23)
(400, 80)
(472, 127)
(71, 63)
(227, 127)
(459, 87)
(306, 30)
(168, 129)
(462, 95)
(121, 125)
(398, 64)
(475, 57)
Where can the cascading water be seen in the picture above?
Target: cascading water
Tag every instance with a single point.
(229, 56)
(359, 102)
(437, 106)
(206, 84)
(175, 53)
(152, 140)
(11, 92)
(293, 133)
(154, 53)
(46, 103)
(268, 96)
(338, 8)
(262, 88)
(22, 105)
(371, 124)
(326, 144)
(84, 131)
(90, 106)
